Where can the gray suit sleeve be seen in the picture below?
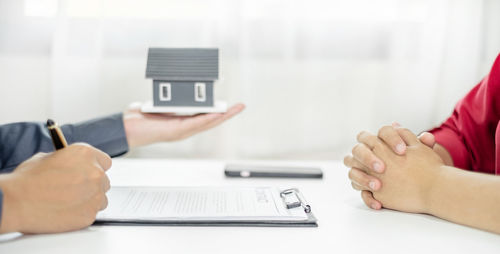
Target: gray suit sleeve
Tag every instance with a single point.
(20, 141)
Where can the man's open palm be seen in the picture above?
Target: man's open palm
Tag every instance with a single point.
(145, 128)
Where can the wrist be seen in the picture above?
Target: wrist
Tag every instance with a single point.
(9, 220)
(431, 199)
(130, 131)
(139, 131)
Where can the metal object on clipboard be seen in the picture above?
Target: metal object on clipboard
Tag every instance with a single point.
(293, 198)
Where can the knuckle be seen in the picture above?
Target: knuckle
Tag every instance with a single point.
(362, 180)
(348, 161)
(405, 130)
(97, 202)
(100, 198)
(104, 203)
(82, 148)
(377, 145)
(383, 131)
(372, 139)
(365, 195)
(107, 160)
(356, 176)
(90, 216)
(97, 199)
(364, 155)
(356, 148)
(367, 198)
(360, 135)
(97, 175)
(351, 174)
(365, 180)
(107, 184)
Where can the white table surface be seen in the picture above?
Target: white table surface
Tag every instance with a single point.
(345, 224)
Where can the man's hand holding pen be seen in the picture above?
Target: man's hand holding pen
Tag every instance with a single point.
(56, 192)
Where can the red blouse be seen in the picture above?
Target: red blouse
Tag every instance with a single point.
(472, 133)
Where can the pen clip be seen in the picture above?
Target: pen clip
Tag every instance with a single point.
(293, 198)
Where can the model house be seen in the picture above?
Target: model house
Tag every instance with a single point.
(183, 77)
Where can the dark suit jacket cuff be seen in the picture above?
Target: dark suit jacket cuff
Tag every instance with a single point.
(105, 133)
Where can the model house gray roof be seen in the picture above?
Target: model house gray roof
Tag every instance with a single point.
(193, 64)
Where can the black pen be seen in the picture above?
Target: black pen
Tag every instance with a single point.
(57, 135)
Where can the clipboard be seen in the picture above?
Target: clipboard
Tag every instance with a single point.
(291, 208)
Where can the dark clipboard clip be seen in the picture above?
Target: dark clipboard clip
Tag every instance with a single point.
(293, 198)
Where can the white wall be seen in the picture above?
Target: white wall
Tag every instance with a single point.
(313, 73)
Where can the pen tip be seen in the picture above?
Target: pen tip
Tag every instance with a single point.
(50, 122)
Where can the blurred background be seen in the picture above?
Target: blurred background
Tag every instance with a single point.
(313, 73)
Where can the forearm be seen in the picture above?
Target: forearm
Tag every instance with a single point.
(466, 198)
(20, 141)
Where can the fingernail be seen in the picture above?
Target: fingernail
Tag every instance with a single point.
(423, 134)
(372, 185)
(396, 125)
(377, 167)
(374, 206)
(400, 148)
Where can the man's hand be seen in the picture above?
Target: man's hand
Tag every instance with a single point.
(363, 161)
(143, 128)
(56, 192)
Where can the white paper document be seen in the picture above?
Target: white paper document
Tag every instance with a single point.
(198, 204)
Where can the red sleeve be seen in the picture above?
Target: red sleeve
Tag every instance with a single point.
(450, 138)
(469, 133)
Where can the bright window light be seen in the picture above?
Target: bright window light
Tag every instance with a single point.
(40, 8)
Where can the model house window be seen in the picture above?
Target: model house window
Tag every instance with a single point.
(165, 92)
(200, 92)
